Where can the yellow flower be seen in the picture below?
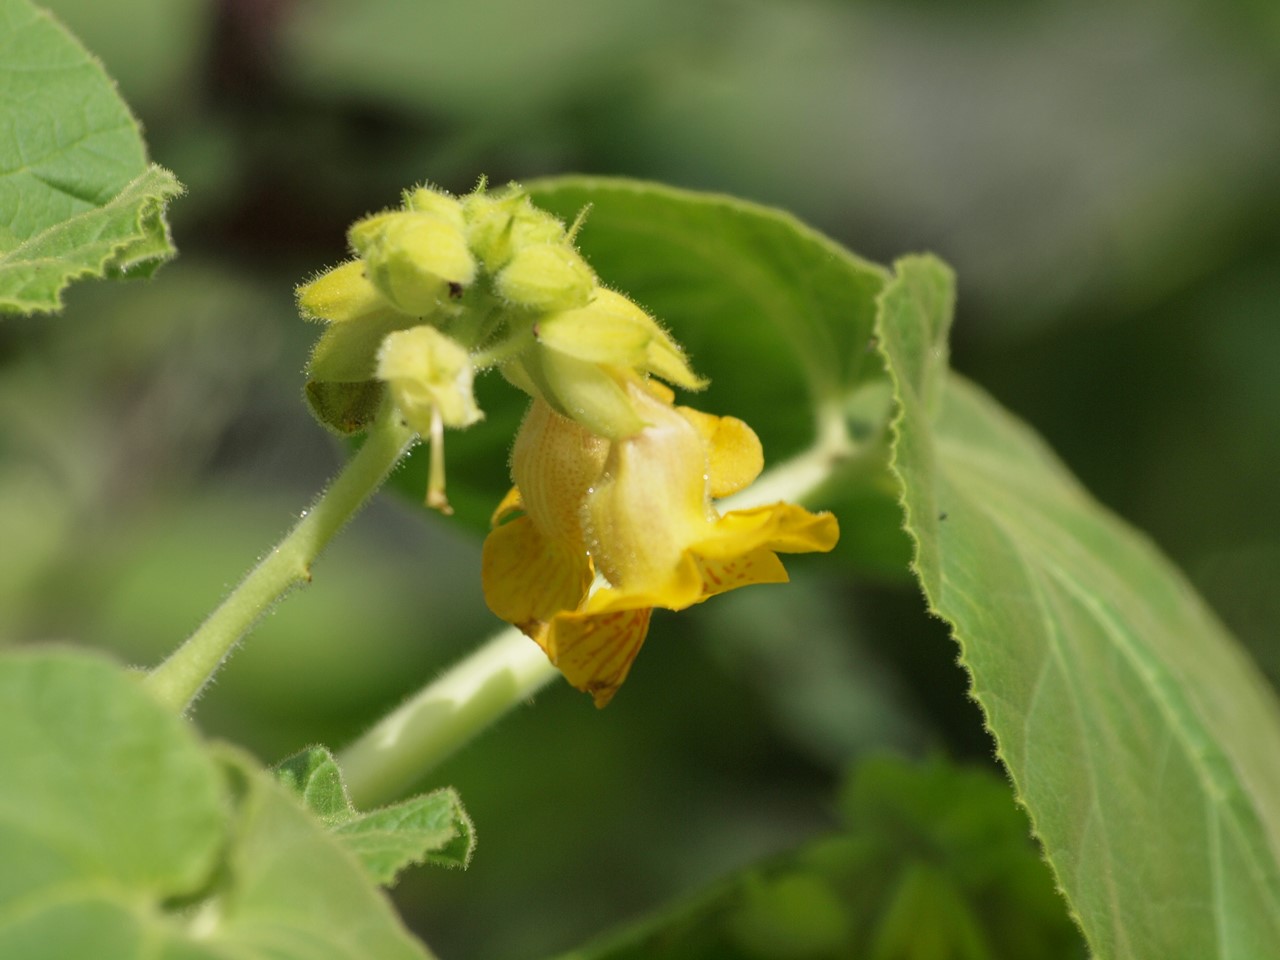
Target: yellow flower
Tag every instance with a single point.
(639, 512)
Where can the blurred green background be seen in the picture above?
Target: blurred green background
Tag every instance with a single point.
(1102, 175)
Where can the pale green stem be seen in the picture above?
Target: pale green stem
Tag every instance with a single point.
(479, 690)
(443, 716)
(180, 678)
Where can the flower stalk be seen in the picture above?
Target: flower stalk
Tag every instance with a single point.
(178, 680)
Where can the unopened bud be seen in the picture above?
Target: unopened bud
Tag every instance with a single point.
(415, 259)
(343, 293)
(498, 226)
(546, 276)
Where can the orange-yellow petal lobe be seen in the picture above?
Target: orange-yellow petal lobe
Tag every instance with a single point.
(734, 454)
(509, 505)
(741, 549)
(783, 527)
(595, 651)
(528, 579)
(721, 574)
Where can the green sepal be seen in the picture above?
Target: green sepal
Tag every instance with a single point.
(345, 407)
(584, 392)
(342, 390)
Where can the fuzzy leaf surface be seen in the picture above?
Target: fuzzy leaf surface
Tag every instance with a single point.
(123, 837)
(78, 197)
(1141, 739)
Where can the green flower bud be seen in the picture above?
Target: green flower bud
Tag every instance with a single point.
(417, 260)
(436, 202)
(341, 294)
(612, 330)
(588, 393)
(428, 374)
(500, 225)
(546, 276)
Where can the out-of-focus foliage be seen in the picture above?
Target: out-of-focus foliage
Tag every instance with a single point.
(123, 836)
(1101, 175)
(931, 861)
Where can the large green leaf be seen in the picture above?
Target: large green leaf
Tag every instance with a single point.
(1141, 740)
(123, 837)
(77, 195)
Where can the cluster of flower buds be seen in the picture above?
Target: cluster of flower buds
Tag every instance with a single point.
(616, 485)
(444, 287)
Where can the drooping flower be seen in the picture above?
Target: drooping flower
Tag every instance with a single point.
(638, 512)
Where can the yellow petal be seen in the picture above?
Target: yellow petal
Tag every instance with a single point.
(721, 574)
(594, 651)
(528, 579)
(735, 457)
(783, 527)
(510, 504)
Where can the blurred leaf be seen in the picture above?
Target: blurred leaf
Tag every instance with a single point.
(152, 48)
(79, 196)
(432, 828)
(108, 808)
(495, 57)
(1140, 739)
(934, 862)
(121, 837)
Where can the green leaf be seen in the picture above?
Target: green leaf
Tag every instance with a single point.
(293, 892)
(314, 776)
(432, 828)
(123, 837)
(1139, 737)
(108, 802)
(77, 194)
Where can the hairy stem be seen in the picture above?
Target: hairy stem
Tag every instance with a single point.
(180, 678)
(443, 716)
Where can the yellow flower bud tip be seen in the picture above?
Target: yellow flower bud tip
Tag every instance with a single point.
(341, 294)
(546, 276)
(426, 199)
(417, 260)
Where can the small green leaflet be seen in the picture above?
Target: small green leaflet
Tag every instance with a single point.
(432, 828)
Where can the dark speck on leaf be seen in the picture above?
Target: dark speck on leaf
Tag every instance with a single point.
(455, 290)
